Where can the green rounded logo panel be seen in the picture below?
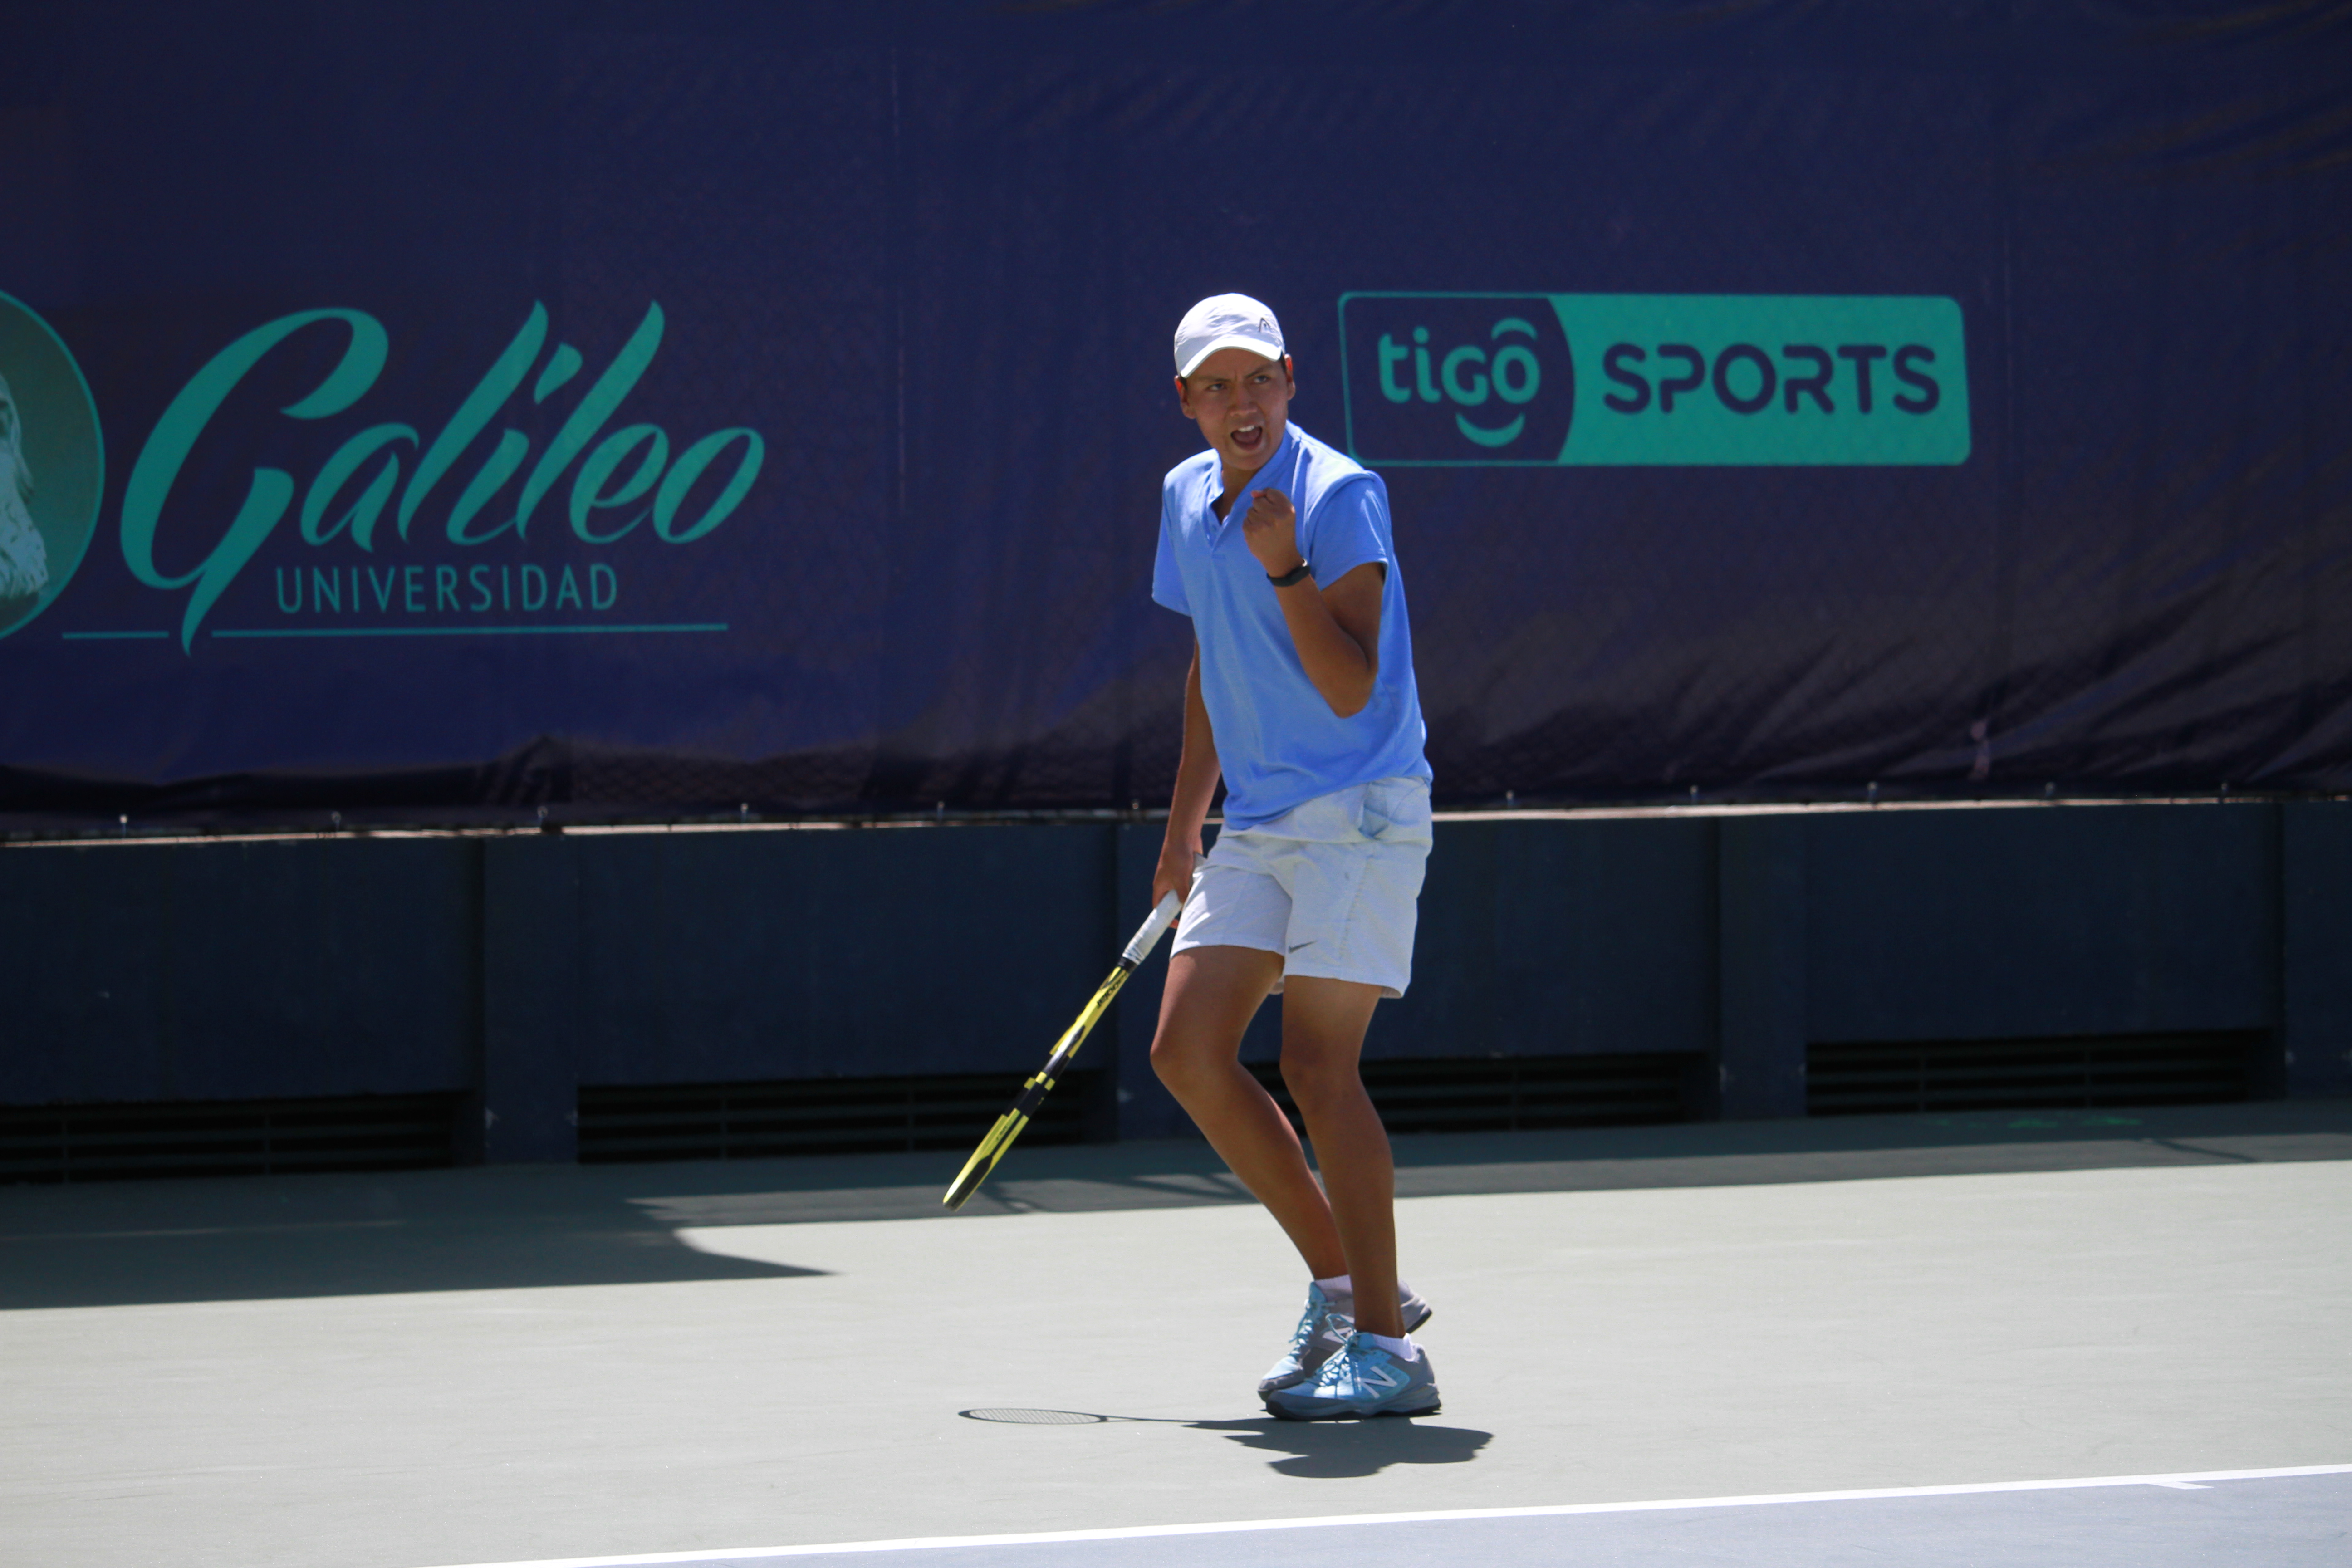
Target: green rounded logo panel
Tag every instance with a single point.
(1654, 380)
(52, 465)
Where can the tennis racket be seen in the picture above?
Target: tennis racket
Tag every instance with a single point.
(1033, 1093)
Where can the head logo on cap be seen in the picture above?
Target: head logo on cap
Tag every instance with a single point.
(1226, 321)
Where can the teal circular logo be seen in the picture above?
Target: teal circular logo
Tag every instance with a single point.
(52, 465)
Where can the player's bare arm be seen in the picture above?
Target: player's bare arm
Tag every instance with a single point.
(1336, 629)
(1196, 786)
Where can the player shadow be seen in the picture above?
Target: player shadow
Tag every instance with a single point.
(1338, 1451)
(1317, 1450)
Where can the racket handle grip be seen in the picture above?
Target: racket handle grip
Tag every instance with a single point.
(1147, 936)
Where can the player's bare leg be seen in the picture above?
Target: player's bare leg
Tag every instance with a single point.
(1210, 996)
(1323, 1024)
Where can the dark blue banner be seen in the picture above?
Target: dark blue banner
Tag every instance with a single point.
(654, 410)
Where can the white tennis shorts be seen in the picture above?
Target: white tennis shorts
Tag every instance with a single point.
(1331, 884)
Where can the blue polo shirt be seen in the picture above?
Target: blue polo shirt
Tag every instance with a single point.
(1278, 741)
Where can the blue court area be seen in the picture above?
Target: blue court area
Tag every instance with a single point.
(2277, 1521)
(2007, 1341)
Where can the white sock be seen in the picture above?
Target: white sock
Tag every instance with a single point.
(1337, 1285)
(1404, 1349)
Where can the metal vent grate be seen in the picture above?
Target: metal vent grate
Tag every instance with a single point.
(226, 1138)
(815, 1116)
(1517, 1093)
(2030, 1075)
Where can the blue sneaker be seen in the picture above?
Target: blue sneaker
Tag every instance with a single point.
(1360, 1379)
(1323, 1328)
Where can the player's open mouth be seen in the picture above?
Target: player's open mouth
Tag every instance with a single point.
(1249, 440)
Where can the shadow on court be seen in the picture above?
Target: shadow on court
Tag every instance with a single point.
(258, 1238)
(1313, 1450)
(1333, 1450)
(271, 1237)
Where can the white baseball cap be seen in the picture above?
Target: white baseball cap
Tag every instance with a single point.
(1226, 321)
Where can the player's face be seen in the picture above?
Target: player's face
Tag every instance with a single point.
(1241, 401)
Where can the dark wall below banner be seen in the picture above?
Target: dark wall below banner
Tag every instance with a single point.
(511, 971)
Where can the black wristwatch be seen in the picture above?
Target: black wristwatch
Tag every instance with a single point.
(1296, 574)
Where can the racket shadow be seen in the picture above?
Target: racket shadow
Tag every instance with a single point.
(1311, 1450)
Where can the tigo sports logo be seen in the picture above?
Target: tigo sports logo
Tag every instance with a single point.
(1653, 379)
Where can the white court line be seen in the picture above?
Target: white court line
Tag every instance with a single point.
(2189, 1480)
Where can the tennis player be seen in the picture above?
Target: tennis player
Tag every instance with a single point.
(1301, 696)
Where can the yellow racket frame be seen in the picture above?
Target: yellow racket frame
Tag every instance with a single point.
(1033, 1093)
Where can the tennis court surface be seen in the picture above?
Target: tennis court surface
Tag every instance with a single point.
(2291, 1519)
(1866, 1341)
